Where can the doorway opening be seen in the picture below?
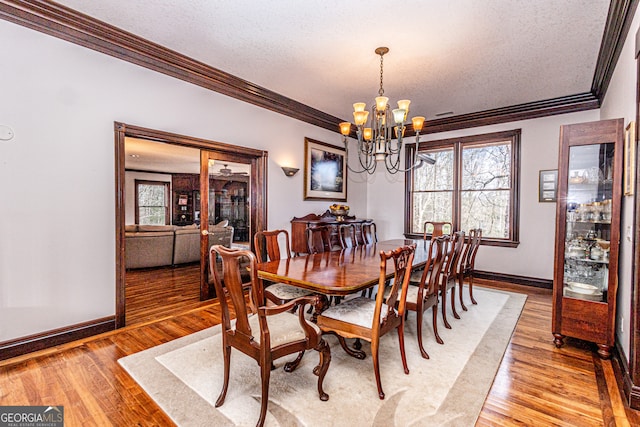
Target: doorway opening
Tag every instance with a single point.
(147, 273)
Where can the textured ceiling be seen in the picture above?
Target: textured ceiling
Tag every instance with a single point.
(459, 56)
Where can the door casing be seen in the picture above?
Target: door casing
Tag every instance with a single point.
(209, 149)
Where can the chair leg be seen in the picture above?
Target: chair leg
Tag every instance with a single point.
(471, 289)
(226, 354)
(419, 332)
(325, 358)
(376, 365)
(444, 309)
(265, 371)
(460, 288)
(434, 311)
(453, 302)
(358, 354)
(400, 330)
(291, 366)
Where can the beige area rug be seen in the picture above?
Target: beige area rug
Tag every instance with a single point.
(184, 376)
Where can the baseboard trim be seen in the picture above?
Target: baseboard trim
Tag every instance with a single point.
(512, 278)
(52, 338)
(623, 377)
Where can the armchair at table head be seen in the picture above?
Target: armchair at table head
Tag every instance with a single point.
(435, 228)
(262, 332)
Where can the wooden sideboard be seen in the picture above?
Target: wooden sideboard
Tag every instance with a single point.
(299, 227)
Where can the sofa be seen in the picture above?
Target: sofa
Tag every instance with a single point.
(149, 246)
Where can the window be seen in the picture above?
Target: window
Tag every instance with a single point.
(473, 183)
(152, 202)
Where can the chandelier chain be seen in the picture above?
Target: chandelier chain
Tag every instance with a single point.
(381, 91)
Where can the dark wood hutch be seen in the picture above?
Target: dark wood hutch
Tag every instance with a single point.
(299, 226)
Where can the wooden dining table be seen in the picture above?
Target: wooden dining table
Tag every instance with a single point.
(339, 273)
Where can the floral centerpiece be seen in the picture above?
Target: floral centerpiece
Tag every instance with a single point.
(340, 211)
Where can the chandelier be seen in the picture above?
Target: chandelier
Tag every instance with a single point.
(376, 141)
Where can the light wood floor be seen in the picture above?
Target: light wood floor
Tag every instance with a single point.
(537, 384)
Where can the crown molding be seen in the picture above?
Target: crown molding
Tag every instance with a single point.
(70, 25)
(616, 28)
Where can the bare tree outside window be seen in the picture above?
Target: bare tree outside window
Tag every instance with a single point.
(152, 203)
(472, 184)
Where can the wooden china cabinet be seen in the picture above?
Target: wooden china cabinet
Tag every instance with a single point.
(588, 233)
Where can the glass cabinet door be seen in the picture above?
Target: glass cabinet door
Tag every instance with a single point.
(588, 222)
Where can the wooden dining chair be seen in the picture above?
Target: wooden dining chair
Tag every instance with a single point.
(268, 248)
(369, 233)
(367, 319)
(468, 263)
(318, 239)
(262, 332)
(435, 229)
(348, 236)
(449, 277)
(426, 294)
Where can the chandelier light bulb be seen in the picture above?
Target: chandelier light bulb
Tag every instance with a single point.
(345, 128)
(381, 103)
(404, 104)
(418, 123)
(359, 106)
(360, 117)
(398, 115)
(368, 134)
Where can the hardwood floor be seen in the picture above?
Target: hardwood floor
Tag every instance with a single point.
(155, 293)
(537, 384)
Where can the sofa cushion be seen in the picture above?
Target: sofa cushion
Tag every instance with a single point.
(148, 249)
(156, 227)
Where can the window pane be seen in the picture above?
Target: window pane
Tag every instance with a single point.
(488, 210)
(438, 176)
(432, 206)
(486, 167)
(151, 195)
(152, 215)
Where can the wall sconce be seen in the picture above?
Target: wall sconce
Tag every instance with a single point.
(290, 171)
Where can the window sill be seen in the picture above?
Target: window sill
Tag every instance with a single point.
(485, 241)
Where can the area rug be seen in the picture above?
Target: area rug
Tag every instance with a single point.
(184, 376)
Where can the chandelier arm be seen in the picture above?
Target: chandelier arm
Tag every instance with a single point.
(346, 151)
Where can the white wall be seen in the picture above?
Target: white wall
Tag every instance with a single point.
(620, 102)
(539, 150)
(57, 251)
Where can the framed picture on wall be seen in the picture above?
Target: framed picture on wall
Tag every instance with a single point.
(325, 171)
(548, 185)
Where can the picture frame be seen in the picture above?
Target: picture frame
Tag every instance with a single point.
(548, 186)
(325, 171)
(629, 159)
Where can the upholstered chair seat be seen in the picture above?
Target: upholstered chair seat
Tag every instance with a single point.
(284, 328)
(358, 311)
(284, 292)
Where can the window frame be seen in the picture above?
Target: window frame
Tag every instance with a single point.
(457, 144)
(167, 204)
